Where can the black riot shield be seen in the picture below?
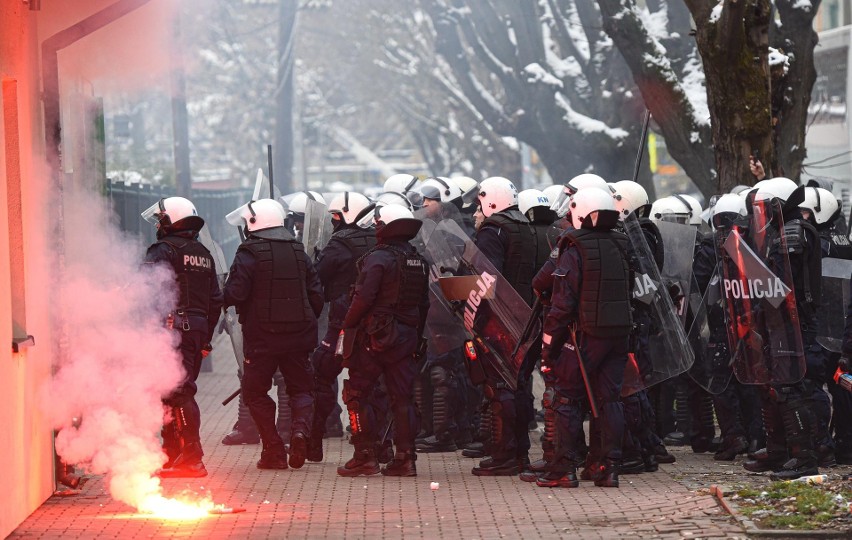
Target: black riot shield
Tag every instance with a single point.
(317, 228)
(679, 242)
(488, 306)
(761, 316)
(708, 337)
(835, 294)
(668, 351)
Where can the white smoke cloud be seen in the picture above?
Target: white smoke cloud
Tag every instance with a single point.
(120, 361)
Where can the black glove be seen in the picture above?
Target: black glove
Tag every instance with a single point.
(843, 364)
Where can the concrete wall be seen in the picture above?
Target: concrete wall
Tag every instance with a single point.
(26, 443)
(28, 259)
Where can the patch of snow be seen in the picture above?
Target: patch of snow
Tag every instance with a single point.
(804, 5)
(696, 91)
(716, 14)
(584, 124)
(537, 74)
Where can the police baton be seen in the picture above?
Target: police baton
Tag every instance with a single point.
(232, 397)
(592, 405)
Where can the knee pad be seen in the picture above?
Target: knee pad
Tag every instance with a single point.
(440, 376)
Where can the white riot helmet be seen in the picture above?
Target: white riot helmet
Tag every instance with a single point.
(728, 208)
(173, 214)
(530, 198)
(822, 204)
(671, 209)
(629, 196)
(385, 199)
(694, 207)
(394, 221)
(560, 205)
(447, 189)
(350, 206)
(736, 190)
(468, 187)
(497, 194)
(775, 188)
(400, 183)
(587, 205)
(298, 204)
(258, 215)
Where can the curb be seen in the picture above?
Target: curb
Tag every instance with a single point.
(751, 529)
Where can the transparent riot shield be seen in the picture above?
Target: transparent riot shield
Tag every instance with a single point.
(836, 274)
(488, 306)
(443, 329)
(229, 318)
(668, 350)
(708, 337)
(679, 242)
(761, 316)
(317, 229)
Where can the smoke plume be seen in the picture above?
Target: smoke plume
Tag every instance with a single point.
(119, 360)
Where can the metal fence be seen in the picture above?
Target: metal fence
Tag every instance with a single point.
(130, 200)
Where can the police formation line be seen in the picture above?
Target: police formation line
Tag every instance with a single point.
(442, 297)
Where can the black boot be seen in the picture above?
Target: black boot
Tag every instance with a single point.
(500, 464)
(764, 461)
(731, 448)
(800, 428)
(607, 474)
(298, 450)
(363, 463)
(314, 453)
(403, 464)
(558, 479)
(273, 456)
(187, 464)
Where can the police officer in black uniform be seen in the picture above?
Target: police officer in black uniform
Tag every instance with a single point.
(737, 407)
(590, 311)
(195, 317)
(508, 240)
(278, 297)
(336, 269)
(382, 336)
(790, 411)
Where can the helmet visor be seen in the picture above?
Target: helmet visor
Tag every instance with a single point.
(152, 214)
(235, 217)
(560, 205)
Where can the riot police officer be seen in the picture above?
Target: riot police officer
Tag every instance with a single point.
(789, 410)
(195, 317)
(278, 297)
(508, 240)
(382, 335)
(736, 406)
(336, 269)
(587, 331)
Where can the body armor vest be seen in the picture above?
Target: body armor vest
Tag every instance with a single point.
(604, 307)
(522, 256)
(358, 242)
(658, 250)
(279, 298)
(411, 284)
(195, 271)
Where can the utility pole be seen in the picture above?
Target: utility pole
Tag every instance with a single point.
(180, 122)
(283, 150)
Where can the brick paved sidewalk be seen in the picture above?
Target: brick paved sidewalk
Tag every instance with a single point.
(314, 502)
